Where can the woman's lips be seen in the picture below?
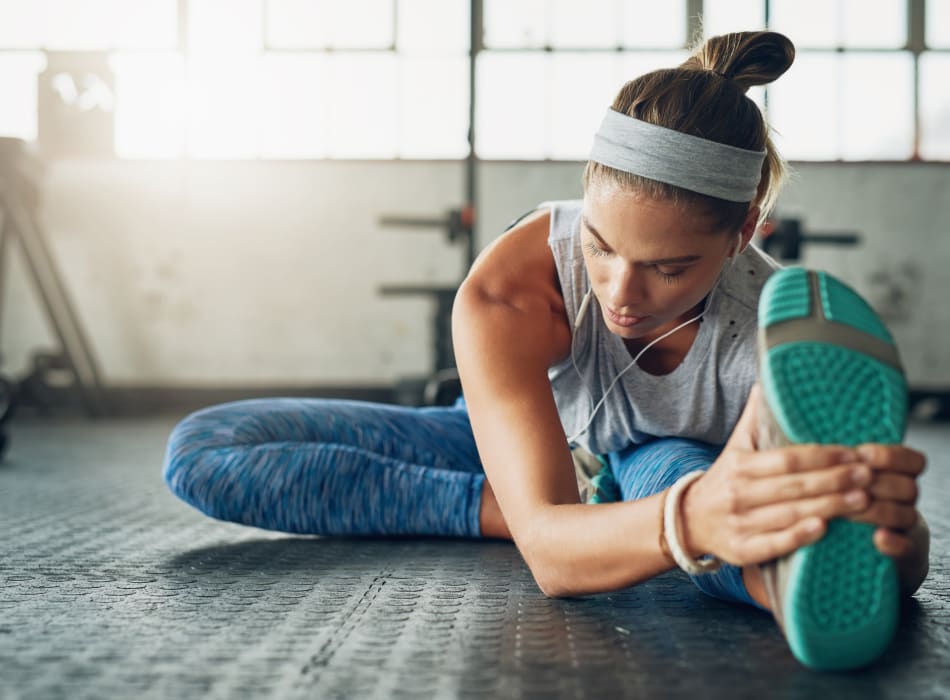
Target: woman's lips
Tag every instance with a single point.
(622, 320)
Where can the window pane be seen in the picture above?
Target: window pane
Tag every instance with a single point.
(150, 105)
(511, 105)
(216, 25)
(223, 112)
(590, 24)
(434, 25)
(359, 23)
(88, 25)
(804, 108)
(938, 24)
(296, 24)
(935, 106)
(649, 24)
(18, 80)
(535, 106)
(364, 111)
(23, 24)
(808, 23)
(294, 106)
(724, 16)
(518, 24)
(580, 89)
(877, 123)
(321, 24)
(831, 106)
(883, 25)
(848, 23)
(635, 64)
(433, 98)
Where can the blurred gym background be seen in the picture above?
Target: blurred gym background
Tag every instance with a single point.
(206, 200)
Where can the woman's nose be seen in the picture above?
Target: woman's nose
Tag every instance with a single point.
(625, 289)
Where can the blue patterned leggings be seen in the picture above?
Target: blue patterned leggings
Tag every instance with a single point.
(332, 467)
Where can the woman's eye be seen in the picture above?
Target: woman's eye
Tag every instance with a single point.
(668, 274)
(593, 249)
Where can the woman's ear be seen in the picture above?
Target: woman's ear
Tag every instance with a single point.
(748, 229)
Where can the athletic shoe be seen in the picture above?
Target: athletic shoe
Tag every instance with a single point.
(830, 374)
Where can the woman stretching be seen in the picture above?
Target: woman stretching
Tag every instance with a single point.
(612, 423)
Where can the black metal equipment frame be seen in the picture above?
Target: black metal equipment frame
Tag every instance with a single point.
(443, 385)
(786, 237)
(20, 175)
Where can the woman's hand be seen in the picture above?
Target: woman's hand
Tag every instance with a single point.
(902, 532)
(893, 492)
(753, 506)
(756, 505)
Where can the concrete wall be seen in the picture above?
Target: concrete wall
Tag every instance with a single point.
(265, 274)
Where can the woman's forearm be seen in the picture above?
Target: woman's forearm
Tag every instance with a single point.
(578, 549)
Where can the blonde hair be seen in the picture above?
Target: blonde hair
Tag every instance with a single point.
(706, 96)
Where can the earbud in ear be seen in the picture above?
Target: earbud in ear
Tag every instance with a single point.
(737, 249)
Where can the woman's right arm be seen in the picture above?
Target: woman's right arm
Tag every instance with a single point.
(509, 327)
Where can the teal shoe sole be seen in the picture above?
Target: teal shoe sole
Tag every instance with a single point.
(831, 375)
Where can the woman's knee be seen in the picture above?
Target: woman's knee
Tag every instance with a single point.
(643, 470)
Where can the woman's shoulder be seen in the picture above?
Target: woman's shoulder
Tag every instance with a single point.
(511, 298)
(519, 261)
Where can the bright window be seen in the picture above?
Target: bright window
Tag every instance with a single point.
(510, 110)
(827, 24)
(938, 24)
(650, 24)
(326, 24)
(18, 76)
(71, 25)
(150, 105)
(830, 106)
(724, 16)
(390, 78)
(935, 106)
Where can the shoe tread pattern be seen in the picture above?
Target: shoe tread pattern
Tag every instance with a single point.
(842, 600)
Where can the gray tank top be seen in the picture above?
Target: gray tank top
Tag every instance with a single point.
(701, 399)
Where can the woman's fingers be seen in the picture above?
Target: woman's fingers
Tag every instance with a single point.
(795, 459)
(897, 458)
(889, 514)
(803, 458)
(892, 544)
(781, 516)
(791, 487)
(894, 487)
(780, 489)
(770, 545)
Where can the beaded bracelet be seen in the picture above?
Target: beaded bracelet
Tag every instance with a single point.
(671, 533)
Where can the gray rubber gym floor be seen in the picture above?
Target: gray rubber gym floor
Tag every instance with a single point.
(112, 588)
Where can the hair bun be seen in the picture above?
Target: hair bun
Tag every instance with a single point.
(746, 58)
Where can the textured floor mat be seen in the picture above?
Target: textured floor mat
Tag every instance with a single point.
(112, 588)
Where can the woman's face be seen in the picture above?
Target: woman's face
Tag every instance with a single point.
(650, 263)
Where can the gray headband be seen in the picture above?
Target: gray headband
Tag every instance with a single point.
(670, 156)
